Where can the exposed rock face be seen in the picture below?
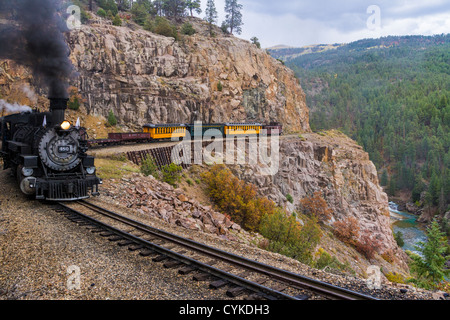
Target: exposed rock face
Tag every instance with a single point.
(144, 77)
(336, 166)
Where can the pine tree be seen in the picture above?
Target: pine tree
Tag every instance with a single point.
(174, 8)
(117, 21)
(233, 17)
(256, 42)
(434, 188)
(112, 121)
(384, 178)
(430, 268)
(211, 14)
(193, 5)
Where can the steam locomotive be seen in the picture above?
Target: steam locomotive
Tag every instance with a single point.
(47, 154)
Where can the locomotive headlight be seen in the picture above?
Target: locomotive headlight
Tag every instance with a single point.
(27, 172)
(65, 125)
(90, 170)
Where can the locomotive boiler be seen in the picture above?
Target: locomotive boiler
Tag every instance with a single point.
(47, 154)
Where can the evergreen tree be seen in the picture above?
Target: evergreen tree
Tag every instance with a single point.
(211, 14)
(123, 5)
(256, 42)
(392, 188)
(430, 269)
(112, 121)
(174, 9)
(109, 5)
(158, 6)
(233, 16)
(419, 187)
(140, 12)
(193, 5)
(117, 21)
(434, 188)
(384, 178)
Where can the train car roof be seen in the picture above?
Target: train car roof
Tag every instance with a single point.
(204, 124)
(151, 125)
(242, 124)
(225, 124)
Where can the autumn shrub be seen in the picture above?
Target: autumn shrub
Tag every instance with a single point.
(395, 277)
(347, 230)
(368, 245)
(236, 198)
(389, 256)
(316, 205)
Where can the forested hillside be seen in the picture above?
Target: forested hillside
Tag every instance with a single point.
(392, 95)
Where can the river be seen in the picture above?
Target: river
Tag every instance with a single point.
(412, 231)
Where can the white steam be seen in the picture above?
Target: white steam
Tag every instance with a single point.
(13, 107)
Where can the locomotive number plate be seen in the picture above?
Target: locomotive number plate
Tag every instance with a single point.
(63, 149)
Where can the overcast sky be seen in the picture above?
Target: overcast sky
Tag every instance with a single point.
(305, 22)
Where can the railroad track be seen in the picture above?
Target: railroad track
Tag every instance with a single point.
(241, 275)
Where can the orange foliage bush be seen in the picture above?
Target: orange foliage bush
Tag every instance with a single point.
(347, 230)
(316, 206)
(236, 198)
(368, 246)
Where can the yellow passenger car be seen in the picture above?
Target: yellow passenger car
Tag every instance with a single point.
(247, 129)
(165, 131)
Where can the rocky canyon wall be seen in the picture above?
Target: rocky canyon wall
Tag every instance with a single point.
(341, 170)
(147, 78)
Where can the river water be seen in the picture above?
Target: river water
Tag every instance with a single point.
(412, 231)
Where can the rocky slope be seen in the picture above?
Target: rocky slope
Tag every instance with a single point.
(144, 77)
(339, 168)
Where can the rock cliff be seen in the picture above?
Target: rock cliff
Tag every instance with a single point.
(144, 77)
(335, 165)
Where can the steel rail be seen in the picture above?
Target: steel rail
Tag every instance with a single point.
(298, 281)
(265, 292)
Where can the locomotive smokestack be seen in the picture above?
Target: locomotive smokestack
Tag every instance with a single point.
(58, 107)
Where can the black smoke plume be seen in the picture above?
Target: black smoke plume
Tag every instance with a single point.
(34, 37)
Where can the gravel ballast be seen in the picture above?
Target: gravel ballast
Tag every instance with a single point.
(39, 246)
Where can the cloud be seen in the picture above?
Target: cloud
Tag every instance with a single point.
(297, 23)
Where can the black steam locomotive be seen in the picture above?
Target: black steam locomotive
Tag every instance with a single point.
(47, 154)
